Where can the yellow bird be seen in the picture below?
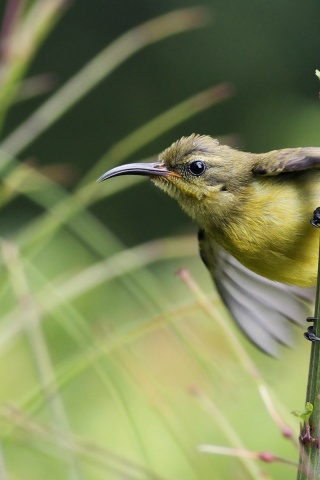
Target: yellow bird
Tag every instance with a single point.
(254, 213)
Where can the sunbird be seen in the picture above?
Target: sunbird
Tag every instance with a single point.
(255, 234)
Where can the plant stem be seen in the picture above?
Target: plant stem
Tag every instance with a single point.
(309, 463)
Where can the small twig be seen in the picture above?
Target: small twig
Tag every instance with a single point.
(266, 457)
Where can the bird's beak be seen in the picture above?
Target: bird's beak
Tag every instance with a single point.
(156, 169)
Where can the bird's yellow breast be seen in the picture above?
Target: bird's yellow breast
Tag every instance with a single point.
(270, 231)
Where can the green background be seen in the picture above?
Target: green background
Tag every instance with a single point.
(141, 373)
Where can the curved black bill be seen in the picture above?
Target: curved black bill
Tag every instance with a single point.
(157, 169)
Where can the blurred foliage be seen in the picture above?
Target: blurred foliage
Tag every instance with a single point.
(113, 366)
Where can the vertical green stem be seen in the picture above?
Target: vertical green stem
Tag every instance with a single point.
(309, 463)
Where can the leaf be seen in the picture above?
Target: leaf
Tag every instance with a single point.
(304, 414)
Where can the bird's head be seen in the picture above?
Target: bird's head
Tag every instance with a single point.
(203, 176)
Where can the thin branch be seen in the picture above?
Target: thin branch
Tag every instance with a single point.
(309, 463)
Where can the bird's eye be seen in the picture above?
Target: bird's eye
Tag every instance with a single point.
(197, 167)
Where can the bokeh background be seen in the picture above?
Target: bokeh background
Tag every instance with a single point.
(113, 366)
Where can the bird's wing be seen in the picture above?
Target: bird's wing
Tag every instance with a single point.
(287, 160)
(264, 310)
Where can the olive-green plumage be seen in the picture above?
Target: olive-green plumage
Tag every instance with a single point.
(257, 207)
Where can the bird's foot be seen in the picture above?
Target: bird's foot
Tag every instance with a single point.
(315, 221)
(310, 335)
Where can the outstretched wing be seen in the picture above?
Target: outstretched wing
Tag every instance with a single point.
(263, 309)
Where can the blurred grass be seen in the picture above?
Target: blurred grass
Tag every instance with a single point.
(104, 350)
